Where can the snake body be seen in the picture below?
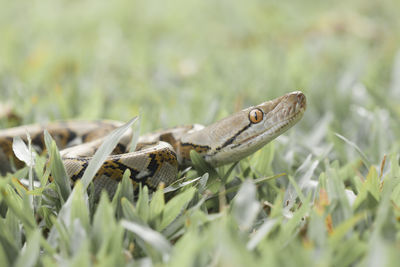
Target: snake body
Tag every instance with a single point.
(159, 155)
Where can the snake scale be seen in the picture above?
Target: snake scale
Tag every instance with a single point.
(159, 155)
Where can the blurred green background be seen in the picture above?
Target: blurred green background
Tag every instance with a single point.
(181, 62)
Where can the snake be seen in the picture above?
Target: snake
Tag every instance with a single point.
(159, 155)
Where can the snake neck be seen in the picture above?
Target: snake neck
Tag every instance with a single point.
(236, 136)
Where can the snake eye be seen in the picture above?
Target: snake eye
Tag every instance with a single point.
(256, 115)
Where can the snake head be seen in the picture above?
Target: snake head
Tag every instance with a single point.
(246, 131)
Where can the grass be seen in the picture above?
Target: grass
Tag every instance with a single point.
(326, 193)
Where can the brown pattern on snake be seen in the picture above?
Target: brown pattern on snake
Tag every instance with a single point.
(114, 168)
(6, 148)
(185, 149)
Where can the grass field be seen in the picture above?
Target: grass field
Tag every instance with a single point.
(326, 193)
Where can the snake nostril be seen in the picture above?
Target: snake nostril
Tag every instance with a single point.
(300, 98)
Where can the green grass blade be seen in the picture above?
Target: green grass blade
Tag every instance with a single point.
(175, 206)
(261, 233)
(245, 206)
(177, 185)
(104, 151)
(3, 256)
(202, 166)
(155, 239)
(57, 167)
(364, 158)
(22, 152)
(29, 256)
(156, 206)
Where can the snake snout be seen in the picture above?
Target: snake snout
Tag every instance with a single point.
(300, 101)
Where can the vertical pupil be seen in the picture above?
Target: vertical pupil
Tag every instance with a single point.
(255, 115)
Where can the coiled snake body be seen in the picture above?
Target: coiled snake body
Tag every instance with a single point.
(160, 154)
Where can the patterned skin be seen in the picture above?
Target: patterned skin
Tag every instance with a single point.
(159, 155)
